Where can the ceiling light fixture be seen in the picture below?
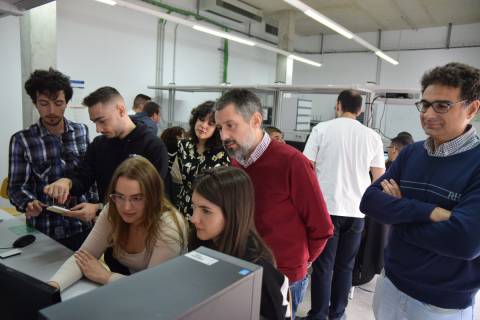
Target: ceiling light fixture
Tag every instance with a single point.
(314, 14)
(150, 9)
(223, 34)
(385, 57)
(310, 62)
(109, 2)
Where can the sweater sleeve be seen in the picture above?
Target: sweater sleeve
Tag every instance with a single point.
(308, 200)
(20, 181)
(95, 244)
(83, 176)
(173, 239)
(459, 237)
(391, 210)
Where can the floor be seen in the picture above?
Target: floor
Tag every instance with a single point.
(360, 307)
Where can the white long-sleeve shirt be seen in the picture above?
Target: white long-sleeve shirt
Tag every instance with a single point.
(168, 246)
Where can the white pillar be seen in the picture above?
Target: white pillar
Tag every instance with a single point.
(286, 35)
(38, 34)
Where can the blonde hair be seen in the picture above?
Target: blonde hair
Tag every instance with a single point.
(141, 170)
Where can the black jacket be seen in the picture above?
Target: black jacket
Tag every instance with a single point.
(142, 117)
(104, 155)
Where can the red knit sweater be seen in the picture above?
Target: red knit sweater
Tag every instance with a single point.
(290, 213)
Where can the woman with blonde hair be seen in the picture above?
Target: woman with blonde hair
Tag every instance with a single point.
(136, 230)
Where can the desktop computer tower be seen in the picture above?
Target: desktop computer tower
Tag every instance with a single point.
(202, 284)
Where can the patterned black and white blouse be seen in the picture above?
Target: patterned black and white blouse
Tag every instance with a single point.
(192, 164)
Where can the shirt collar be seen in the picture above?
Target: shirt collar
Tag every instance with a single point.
(258, 152)
(44, 131)
(462, 143)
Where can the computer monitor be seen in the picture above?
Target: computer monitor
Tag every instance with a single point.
(202, 284)
(23, 296)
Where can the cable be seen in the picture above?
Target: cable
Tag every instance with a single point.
(379, 128)
(7, 248)
(371, 107)
(366, 290)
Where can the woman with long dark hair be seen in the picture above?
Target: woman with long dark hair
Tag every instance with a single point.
(202, 150)
(136, 230)
(223, 215)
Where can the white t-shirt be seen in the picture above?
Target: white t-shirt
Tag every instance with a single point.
(344, 150)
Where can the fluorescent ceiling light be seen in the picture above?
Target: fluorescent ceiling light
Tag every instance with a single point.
(313, 63)
(329, 23)
(147, 8)
(314, 14)
(222, 34)
(366, 44)
(298, 4)
(109, 2)
(385, 57)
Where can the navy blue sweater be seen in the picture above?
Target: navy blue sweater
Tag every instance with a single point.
(435, 262)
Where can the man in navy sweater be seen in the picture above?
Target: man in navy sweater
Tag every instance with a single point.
(431, 197)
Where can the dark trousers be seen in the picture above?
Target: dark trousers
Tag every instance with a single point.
(332, 271)
(75, 242)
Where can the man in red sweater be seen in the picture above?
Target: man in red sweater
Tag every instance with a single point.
(290, 212)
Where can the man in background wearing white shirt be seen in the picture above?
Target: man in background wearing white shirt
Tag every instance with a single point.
(343, 152)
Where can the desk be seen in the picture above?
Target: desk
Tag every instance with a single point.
(4, 215)
(40, 259)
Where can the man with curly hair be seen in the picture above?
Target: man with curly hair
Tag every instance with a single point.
(431, 197)
(45, 152)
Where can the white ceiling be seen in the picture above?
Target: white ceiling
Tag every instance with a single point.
(371, 15)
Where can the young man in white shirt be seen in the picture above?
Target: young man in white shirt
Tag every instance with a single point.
(343, 152)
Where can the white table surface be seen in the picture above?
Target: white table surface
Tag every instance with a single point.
(41, 259)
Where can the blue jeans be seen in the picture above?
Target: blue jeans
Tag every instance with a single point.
(332, 271)
(389, 303)
(297, 290)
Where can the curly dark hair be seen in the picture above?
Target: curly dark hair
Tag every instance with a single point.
(457, 75)
(170, 137)
(48, 82)
(206, 109)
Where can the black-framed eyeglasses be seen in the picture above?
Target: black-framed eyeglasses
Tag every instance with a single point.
(437, 106)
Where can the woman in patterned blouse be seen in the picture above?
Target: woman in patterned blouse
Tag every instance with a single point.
(201, 151)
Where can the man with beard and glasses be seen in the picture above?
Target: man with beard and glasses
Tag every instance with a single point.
(290, 212)
(45, 152)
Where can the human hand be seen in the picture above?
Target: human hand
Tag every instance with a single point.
(439, 214)
(34, 208)
(59, 190)
(390, 187)
(91, 267)
(83, 211)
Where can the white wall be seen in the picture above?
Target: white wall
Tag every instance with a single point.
(115, 46)
(105, 45)
(358, 68)
(10, 86)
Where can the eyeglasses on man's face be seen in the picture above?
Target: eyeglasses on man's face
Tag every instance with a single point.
(439, 106)
(121, 200)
